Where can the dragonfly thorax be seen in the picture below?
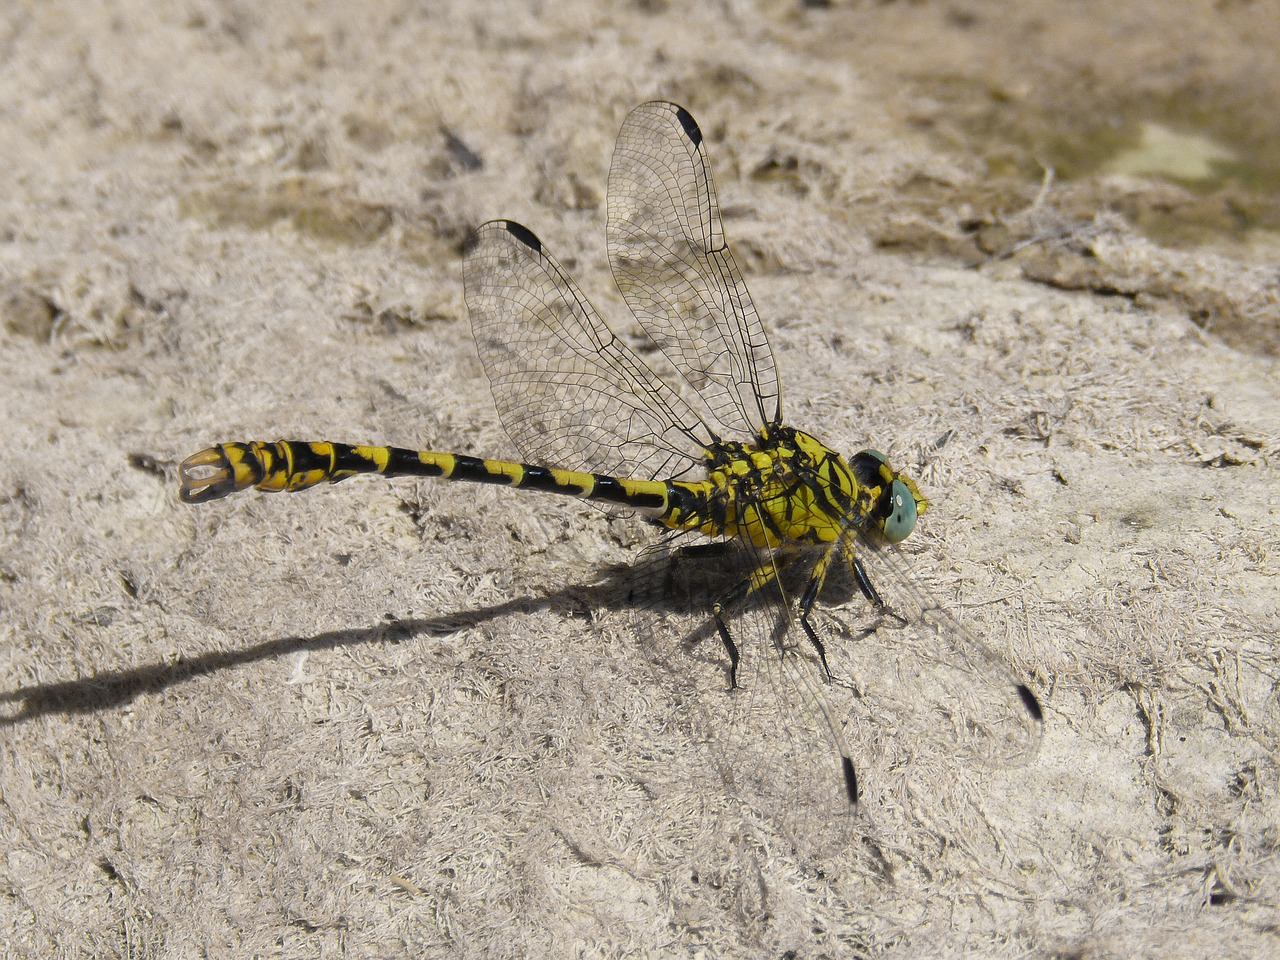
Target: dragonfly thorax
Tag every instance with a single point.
(787, 486)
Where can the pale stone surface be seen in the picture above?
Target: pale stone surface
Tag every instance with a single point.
(375, 719)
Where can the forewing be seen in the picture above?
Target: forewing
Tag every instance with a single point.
(569, 393)
(932, 679)
(670, 260)
(914, 703)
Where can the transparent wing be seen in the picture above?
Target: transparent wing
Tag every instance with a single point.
(777, 742)
(916, 701)
(569, 393)
(784, 737)
(928, 677)
(670, 260)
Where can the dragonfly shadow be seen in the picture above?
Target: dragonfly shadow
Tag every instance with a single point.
(651, 585)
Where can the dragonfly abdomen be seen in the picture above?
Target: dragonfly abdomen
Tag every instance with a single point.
(290, 465)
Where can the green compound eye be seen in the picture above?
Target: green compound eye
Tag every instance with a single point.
(902, 519)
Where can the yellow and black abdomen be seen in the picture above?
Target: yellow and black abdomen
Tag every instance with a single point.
(297, 464)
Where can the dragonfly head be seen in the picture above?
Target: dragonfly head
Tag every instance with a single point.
(897, 500)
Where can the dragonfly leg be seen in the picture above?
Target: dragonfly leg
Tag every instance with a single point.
(764, 575)
(807, 600)
(864, 582)
(729, 645)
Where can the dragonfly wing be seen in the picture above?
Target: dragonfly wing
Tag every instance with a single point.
(788, 751)
(568, 391)
(934, 679)
(777, 741)
(670, 260)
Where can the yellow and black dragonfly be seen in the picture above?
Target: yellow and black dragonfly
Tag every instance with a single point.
(705, 450)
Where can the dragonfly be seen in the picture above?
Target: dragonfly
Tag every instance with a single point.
(700, 450)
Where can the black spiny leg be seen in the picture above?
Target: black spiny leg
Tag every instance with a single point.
(864, 582)
(806, 605)
(816, 580)
(714, 549)
(764, 575)
(717, 610)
